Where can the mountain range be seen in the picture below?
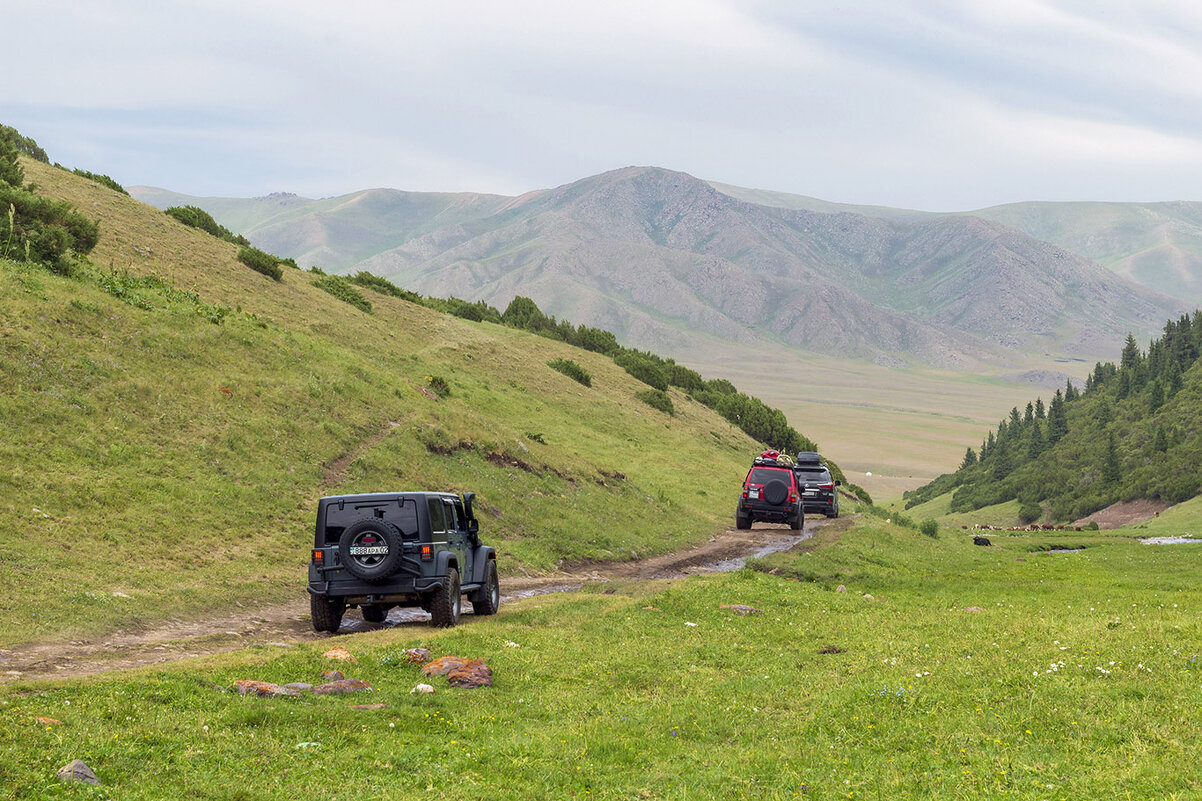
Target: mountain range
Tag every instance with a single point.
(661, 258)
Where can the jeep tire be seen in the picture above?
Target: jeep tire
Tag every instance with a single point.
(487, 599)
(797, 522)
(326, 612)
(373, 567)
(445, 601)
(742, 522)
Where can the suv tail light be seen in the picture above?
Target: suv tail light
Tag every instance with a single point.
(829, 486)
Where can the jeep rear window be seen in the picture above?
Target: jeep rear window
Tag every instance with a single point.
(401, 512)
(762, 475)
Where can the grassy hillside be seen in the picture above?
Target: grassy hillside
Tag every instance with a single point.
(1135, 431)
(970, 673)
(1158, 245)
(172, 417)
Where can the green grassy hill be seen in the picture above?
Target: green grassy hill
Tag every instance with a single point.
(1135, 431)
(172, 416)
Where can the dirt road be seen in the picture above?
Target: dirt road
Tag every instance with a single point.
(283, 625)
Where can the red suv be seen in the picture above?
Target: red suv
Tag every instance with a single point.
(770, 494)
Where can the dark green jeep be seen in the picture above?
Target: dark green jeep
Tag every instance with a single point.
(387, 549)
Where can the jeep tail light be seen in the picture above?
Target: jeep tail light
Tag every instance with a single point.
(427, 552)
(318, 556)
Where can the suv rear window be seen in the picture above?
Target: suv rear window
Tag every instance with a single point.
(762, 475)
(819, 474)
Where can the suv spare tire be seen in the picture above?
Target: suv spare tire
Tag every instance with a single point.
(775, 492)
(370, 549)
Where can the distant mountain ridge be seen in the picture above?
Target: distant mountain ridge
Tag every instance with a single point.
(656, 256)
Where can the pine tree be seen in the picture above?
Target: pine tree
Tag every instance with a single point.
(1131, 356)
(1057, 419)
(1112, 470)
(970, 459)
(1029, 415)
(1036, 445)
(1040, 413)
(1070, 392)
(1155, 395)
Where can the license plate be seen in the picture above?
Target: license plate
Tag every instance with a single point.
(755, 493)
(809, 492)
(369, 550)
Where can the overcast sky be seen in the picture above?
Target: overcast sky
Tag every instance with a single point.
(932, 105)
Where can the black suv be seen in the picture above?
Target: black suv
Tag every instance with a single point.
(387, 549)
(818, 493)
(770, 494)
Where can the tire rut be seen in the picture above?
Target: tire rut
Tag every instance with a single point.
(285, 625)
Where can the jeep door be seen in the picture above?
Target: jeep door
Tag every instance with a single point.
(458, 537)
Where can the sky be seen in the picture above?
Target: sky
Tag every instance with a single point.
(935, 105)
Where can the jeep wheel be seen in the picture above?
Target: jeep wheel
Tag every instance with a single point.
(487, 599)
(370, 549)
(797, 522)
(373, 613)
(742, 522)
(445, 601)
(326, 612)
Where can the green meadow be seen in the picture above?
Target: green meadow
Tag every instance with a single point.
(1004, 672)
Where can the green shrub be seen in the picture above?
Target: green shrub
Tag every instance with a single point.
(657, 399)
(103, 180)
(342, 289)
(929, 527)
(41, 230)
(1030, 511)
(23, 144)
(196, 217)
(438, 385)
(572, 371)
(383, 286)
(261, 262)
(644, 369)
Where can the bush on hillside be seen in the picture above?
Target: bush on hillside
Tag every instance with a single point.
(929, 527)
(41, 230)
(656, 399)
(262, 262)
(342, 289)
(23, 144)
(642, 368)
(571, 370)
(196, 217)
(1030, 511)
(103, 180)
(383, 286)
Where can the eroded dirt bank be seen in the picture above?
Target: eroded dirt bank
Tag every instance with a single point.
(283, 625)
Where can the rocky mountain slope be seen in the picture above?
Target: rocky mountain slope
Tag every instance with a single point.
(656, 256)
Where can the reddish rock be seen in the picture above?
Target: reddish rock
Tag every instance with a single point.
(263, 689)
(369, 706)
(341, 686)
(472, 675)
(742, 609)
(340, 653)
(332, 675)
(417, 656)
(973, 609)
(49, 721)
(444, 665)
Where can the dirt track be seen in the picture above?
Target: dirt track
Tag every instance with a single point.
(283, 625)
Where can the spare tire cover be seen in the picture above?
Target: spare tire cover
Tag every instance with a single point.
(775, 492)
(370, 549)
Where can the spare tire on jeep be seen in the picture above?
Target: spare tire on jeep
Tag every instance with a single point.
(371, 549)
